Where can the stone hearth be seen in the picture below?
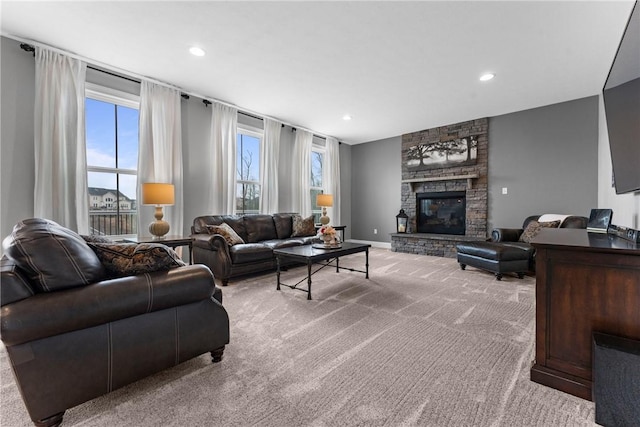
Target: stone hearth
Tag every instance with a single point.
(467, 174)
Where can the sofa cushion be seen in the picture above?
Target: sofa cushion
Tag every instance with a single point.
(250, 252)
(284, 225)
(303, 226)
(227, 232)
(53, 257)
(130, 259)
(533, 228)
(237, 223)
(282, 243)
(259, 228)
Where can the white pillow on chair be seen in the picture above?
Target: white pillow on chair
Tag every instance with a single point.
(553, 217)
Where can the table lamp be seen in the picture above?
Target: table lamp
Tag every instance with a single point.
(158, 194)
(325, 201)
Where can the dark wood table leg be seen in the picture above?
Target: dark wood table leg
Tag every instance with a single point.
(338, 265)
(366, 263)
(278, 272)
(309, 279)
(191, 253)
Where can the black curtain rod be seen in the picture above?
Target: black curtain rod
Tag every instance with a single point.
(28, 48)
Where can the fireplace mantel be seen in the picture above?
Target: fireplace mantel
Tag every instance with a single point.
(468, 177)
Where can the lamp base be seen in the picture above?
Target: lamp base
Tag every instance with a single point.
(159, 229)
(324, 219)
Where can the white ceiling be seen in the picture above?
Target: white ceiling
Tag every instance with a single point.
(396, 67)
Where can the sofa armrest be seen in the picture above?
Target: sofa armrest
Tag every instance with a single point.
(506, 234)
(212, 242)
(14, 285)
(51, 313)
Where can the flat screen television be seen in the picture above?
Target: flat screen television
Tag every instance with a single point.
(621, 95)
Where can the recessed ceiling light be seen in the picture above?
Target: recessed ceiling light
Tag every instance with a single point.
(487, 77)
(196, 51)
(346, 117)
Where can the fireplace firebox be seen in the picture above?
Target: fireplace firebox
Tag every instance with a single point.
(441, 213)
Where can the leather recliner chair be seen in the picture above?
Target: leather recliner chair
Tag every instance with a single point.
(70, 342)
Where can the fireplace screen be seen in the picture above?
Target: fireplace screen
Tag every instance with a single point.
(441, 213)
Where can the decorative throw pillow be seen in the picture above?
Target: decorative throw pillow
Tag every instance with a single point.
(130, 259)
(533, 228)
(303, 226)
(227, 232)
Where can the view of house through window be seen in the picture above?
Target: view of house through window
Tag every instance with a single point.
(248, 171)
(317, 161)
(112, 160)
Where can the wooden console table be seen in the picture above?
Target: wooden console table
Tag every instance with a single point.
(585, 283)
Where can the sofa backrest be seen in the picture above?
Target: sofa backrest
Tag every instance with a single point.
(251, 227)
(259, 228)
(51, 256)
(234, 221)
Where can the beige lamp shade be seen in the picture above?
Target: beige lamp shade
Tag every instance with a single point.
(154, 193)
(324, 200)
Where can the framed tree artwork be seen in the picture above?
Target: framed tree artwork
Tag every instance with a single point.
(444, 153)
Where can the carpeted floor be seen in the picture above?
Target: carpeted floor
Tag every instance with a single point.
(420, 343)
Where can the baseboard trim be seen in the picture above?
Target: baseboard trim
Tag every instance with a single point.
(374, 244)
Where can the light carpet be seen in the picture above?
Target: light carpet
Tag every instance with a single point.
(420, 343)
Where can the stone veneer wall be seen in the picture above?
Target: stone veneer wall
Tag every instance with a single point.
(476, 213)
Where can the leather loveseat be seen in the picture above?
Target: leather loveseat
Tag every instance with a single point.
(255, 238)
(74, 332)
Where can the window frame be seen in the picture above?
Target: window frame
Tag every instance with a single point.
(315, 209)
(124, 99)
(255, 133)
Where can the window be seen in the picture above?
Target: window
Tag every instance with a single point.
(111, 122)
(248, 171)
(317, 162)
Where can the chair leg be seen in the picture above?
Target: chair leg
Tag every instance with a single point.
(216, 355)
(52, 421)
(463, 266)
(498, 276)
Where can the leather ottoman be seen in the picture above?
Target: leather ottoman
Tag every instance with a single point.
(498, 258)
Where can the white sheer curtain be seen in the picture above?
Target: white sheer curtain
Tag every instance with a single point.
(331, 177)
(269, 166)
(60, 190)
(222, 190)
(160, 152)
(301, 170)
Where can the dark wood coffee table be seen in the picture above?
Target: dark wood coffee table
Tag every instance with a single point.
(309, 255)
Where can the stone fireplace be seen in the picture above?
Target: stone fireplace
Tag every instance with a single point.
(448, 162)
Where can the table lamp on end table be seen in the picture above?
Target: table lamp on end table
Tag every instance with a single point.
(160, 195)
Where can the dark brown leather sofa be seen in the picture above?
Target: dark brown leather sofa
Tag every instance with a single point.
(72, 335)
(260, 233)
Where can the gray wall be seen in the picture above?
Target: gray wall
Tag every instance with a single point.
(17, 152)
(375, 189)
(547, 158)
